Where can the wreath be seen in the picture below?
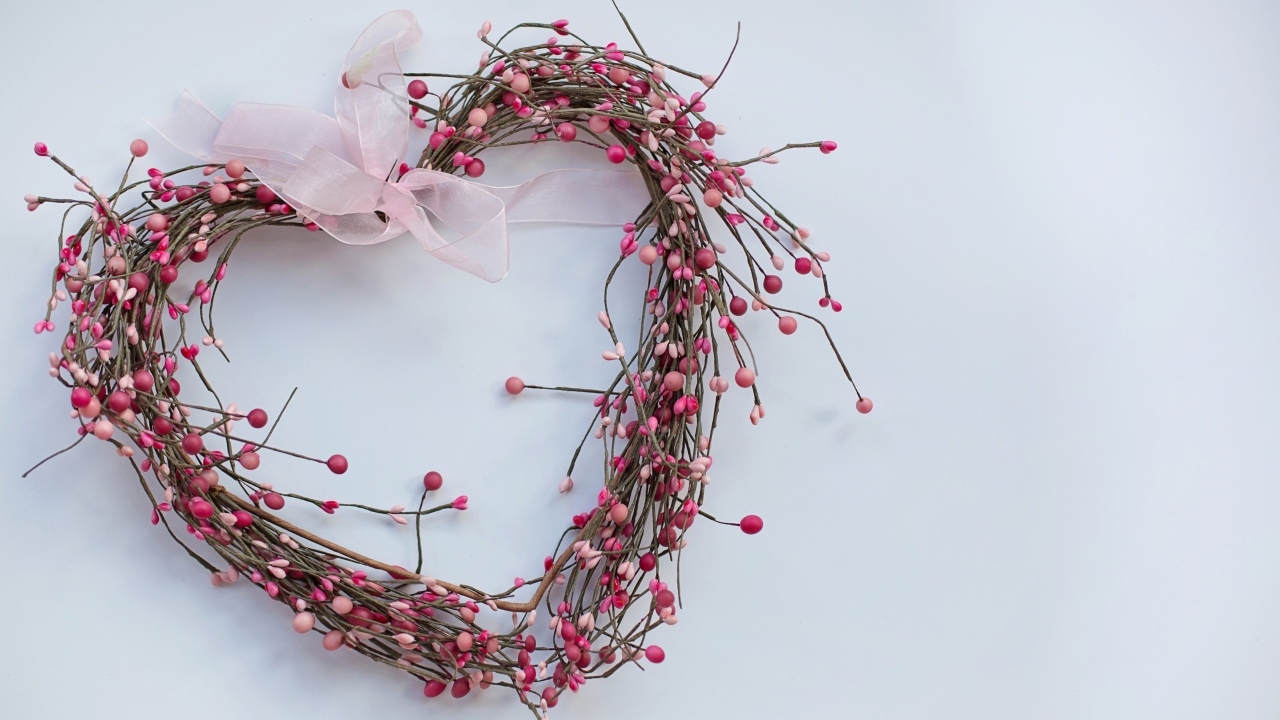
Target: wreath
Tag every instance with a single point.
(136, 320)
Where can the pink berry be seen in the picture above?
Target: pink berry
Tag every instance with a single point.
(250, 460)
(243, 519)
(863, 405)
(648, 255)
(138, 147)
(333, 640)
(654, 654)
(712, 198)
(337, 464)
(475, 168)
(744, 377)
(751, 524)
(192, 443)
(567, 132)
(219, 193)
(616, 154)
(477, 117)
(275, 501)
(706, 129)
(433, 480)
(417, 89)
(665, 598)
(168, 274)
(827, 147)
(787, 324)
(303, 622)
(235, 169)
(804, 265)
(157, 222)
(515, 385)
(42, 150)
(201, 509)
(673, 381)
(257, 417)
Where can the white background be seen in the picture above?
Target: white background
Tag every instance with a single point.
(1054, 232)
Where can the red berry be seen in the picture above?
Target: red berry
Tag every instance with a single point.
(143, 381)
(665, 598)
(434, 688)
(275, 501)
(119, 401)
(257, 417)
(264, 195)
(751, 524)
(433, 480)
(417, 89)
(81, 397)
(337, 464)
(648, 562)
(41, 149)
(192, 443)
(654, 654)
(460, 688)
(168, 274)
(738, 306)
(162, 426)
(705, 258)
(772, 284)
(706, 129)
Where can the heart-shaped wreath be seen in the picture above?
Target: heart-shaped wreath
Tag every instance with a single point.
(603, 587)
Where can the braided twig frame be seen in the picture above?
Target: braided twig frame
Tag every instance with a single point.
(131, 328)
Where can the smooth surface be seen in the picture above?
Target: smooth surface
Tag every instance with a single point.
(1054, 228)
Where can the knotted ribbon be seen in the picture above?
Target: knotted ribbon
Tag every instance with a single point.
(337, 171)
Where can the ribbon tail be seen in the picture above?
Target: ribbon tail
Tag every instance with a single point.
(192, 128)
(481, 252)
(576, 196)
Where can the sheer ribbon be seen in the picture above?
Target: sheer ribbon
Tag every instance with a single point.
(336, 171)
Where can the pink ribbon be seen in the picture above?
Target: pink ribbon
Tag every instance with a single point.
(335, 171)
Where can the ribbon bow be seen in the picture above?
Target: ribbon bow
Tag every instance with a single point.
(336, 171)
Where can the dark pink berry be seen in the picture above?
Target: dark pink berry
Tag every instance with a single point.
(337, 464)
